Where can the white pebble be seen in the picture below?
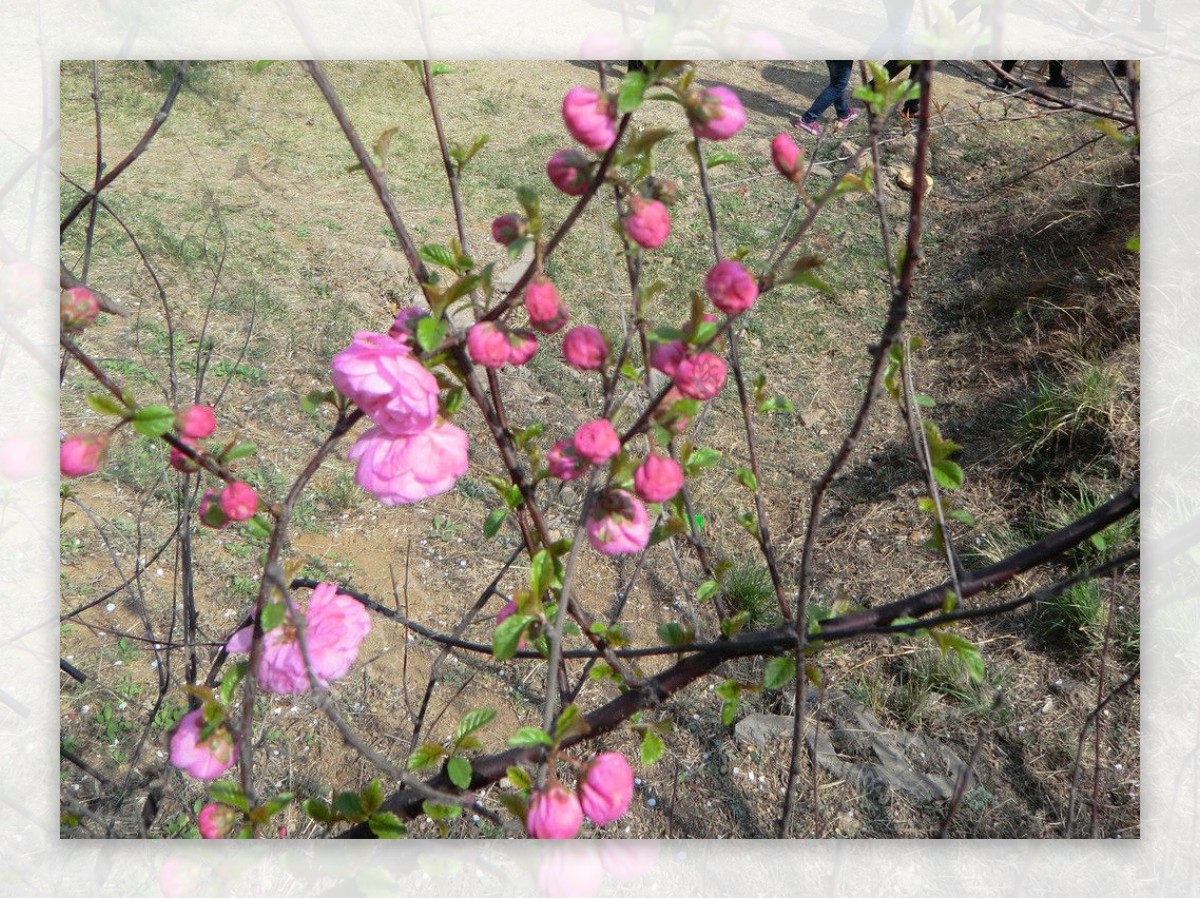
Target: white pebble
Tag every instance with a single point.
(651, 802)
(110, 607)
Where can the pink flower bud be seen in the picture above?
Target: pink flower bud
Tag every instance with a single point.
(554, 814)
(78, 308)
(597, 441)
(606, 788)
(379, 374)
(648, 222)
(658, 478)
(210, 511)
(731, 288)
(787, 156)
(239, 502)
(718, 114)
(701, 377)
(522, 346)
(202, 759)
(589, 118)
(563, 462)
(664, 189)
(181, 462)
(569, 171)
(544, 306)
(666, 356)
(82, 454)
(585, 348)
(405, 325)
(487, 345)
(195, 422)
(618, 524)
(509, 227)
(218, 822)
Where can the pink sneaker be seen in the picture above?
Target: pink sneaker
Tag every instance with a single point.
(813, 128)
(845, 120)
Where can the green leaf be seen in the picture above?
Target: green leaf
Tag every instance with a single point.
(531, 736)
(440, 811)
(430, 333)
(813, 675)
(924, 400)
(967, 518)
(633, 86)
(495, 519)
(312, 400)
(348, 805)
(508, 635)
(746, 478)
(749, 521)
(672, 633)
(105, 405)
(258, 527)
(728, 689)
(967, 652)
(232, 678)
(472, 721)
(436, 254)
(239, 451)
(570, 722)
(459, 770)
(644, 140)
(702, 458)
(426, 756)
(948, 474)
(706, 590)
(153, 421)
(1134, 244)
(439, 68)
(776, 404)
(652, 748)
(276, 804)
(372, 796)
(541, 572)
(387, 826)
(228, 793)
(721, 157)
(318, 810)
(732, 626)
(272, 616)
(779, 671)
(519, 778)
(261, 64)
(728, 711)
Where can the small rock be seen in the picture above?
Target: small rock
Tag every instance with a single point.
(759, 729)
(812, 417)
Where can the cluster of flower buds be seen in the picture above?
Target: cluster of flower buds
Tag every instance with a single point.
(604, 792)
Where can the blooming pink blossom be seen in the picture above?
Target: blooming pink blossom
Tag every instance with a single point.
(563, 461)
(589, 118)
(522, 346)
(405, 325)
(618, 524)
(407, 468)
(597, 441)
(379, 374)
(180, 461)
(568, 170)
(239, 502)
(210, 511)
(487, 344)
(78, 308)
(334, 628)
(648, 222)
(509, 227)
(585, 348)
(554, 814)
(701, 377)
(544, 306)
(195, 421)
(786, 156)
(82, 454)
(606, 788)
(658, 478)
(217, 821)
(666, 356)
(719, 114)
(202, 759)
(731, 288)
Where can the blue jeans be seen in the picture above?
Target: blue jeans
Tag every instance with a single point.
(835, 93)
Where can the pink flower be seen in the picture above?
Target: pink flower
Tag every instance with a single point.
(487, 345)
(597, 441)
(181, 462)
(585, 348)
(202, 759)
(544, 306)
(239, 502)
(731, 288)
(701, 377)
(509, 227)
(78, 308)
(195, 422)
(589, 118)
(379, 374)
(787, 156)
(218, 822)
(405, 325)
(658, 478)
(82, 454)
(334, 628)
(554, 814)
(522, 346)
(648, 222)
(618, 524)
(210, 511)
(563, 462)
(407, 468)
(666, 356)
(569, 171)
(719, 114)
(606, 788)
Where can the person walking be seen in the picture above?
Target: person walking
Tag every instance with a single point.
(834, 95)
(1057, 77)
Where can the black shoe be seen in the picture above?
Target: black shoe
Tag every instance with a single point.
(1120, 69)
(1060, 82)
